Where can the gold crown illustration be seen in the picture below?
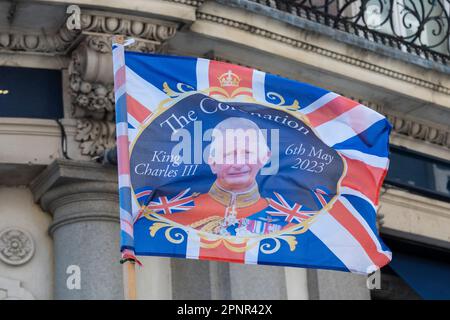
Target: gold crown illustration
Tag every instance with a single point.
(229, 79)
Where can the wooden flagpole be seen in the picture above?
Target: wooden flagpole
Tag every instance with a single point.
(129, 280)
(128, 262)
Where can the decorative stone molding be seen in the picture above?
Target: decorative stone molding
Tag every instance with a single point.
(149, 33)
(67, 182)
(321, 51)
(414, 128)
(193, 3)
(11, 289)
(92, 101)
(90, 72)
(421, 131)
(16, 246)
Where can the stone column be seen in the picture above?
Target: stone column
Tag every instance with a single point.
(83, 200)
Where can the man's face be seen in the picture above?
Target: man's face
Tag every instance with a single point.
(238, 169)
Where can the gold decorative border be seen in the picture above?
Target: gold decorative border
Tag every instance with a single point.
(171, 227)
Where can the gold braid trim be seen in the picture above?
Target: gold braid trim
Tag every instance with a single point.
(205, 221)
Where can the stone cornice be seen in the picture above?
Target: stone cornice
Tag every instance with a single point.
(193, 3)
(37, 43)
(404, 198)
(417, 129)
(150, 30)
(147, 32)
(321, 51)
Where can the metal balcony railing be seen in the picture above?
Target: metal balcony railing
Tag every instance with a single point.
(420, 27)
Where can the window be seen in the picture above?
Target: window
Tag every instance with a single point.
(419, 172)
(30, 93)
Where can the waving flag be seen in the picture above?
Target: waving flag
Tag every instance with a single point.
(223, 162)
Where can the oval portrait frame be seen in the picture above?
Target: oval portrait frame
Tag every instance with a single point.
(288, 234)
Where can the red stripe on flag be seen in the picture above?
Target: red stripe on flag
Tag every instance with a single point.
(364, 178)
(221, 252)
(122, 149)
(331, 110)
(119, 78)
(229, 77)
(359, 232)
(137, 110)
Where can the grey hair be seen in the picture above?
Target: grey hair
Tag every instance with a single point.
(245, 128)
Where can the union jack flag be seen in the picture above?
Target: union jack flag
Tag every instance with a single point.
(346, 229)
(291, 213)
(166, 205)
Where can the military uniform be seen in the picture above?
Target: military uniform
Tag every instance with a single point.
(229, 213)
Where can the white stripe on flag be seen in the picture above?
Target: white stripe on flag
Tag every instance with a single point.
(125, 215)
(258, 80)
(193, 245)
(134, 207)
(347, 125)
(319, 103)
(366, 226)
(144, 92)
(341, 243)
(126, 227)
(120, 91)
(121, 129)
(118, 59)
(132, 133)
(202, 71)
(251, 255)
(374, 161)
(136, 124)
(124, 180)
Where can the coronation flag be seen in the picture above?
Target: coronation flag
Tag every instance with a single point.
(310, 198)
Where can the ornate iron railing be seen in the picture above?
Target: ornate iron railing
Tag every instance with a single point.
(420, 27)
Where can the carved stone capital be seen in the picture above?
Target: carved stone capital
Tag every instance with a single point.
(91, 76)
(42, 43)
(150, 30)
(76, 191)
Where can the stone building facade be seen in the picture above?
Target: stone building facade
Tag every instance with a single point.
(59, 203)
